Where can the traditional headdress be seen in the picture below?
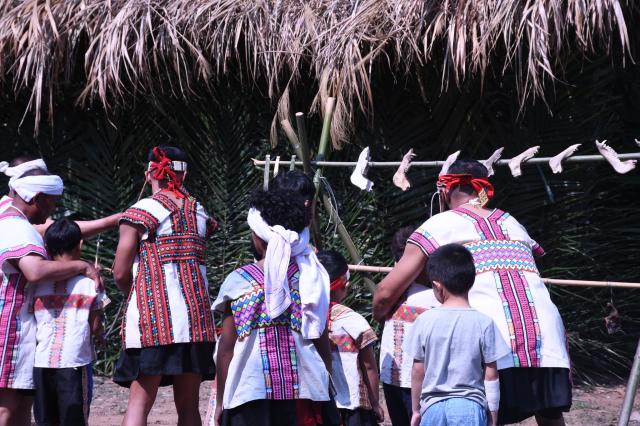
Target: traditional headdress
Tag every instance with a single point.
(29, 186)
(282, 244)
(480, 184)
(21, 169)
(165, 168)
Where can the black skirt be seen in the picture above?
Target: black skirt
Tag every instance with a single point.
(525, 392)
(263, 412)
(166, 361)
(358, 417)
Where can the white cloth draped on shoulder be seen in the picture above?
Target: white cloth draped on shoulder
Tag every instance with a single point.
(29, 186)
(282, 244)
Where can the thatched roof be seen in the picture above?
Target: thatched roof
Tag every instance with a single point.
(116, 49)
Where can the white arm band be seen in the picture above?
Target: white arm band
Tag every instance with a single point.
(492, 390)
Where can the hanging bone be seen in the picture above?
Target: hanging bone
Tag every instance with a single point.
(637, 141)
(358, 177)
(448, 162)
(400, 177)
(612, 320)
(611, 156)
(556, 162)
(516, 162)
(489, 162)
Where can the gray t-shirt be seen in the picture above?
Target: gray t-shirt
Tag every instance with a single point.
(454, 343)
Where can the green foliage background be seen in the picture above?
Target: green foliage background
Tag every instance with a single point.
(585, 217)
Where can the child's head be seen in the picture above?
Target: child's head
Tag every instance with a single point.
(338, 270)
(451, 270)
(399, 241)
(63, 237)
(298, 183)
(278, 208)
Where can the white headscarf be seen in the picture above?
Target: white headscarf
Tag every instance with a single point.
(282, 244)
(21, 169)
(27, 187)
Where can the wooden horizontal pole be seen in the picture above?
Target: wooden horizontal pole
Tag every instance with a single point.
(552, 281)
(438, 163)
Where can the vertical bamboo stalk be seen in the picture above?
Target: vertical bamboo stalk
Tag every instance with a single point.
(265, 183)
(632, 388)
(341, 229)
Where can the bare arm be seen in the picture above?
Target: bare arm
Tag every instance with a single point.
(323, 346)
(491, 375)
(391, 288)
(89, 228)
(369, 368)
(226, 346)
(37, 270)
(417, 376)
(125, 255)
(97, 330)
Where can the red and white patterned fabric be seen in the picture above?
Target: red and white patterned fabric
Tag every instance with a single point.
(18, 238)
(508, 287)
(5, 202)
(63, 332)
(395, 365)
(169, 300)
(349, 333)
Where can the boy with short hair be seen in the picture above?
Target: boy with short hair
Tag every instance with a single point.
(68, 313)
(455, 348)
(355, 373)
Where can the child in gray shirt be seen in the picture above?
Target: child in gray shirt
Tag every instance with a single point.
(454, 379)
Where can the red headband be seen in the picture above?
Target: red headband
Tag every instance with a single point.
(339, 283)
(452, 180)
(162, 169)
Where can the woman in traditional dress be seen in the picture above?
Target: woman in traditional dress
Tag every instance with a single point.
(274, 310)
(168, 330)
(535, 377)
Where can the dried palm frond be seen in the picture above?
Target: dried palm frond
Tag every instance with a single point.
(117, 50)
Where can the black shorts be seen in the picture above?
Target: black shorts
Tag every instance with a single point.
(63, 395)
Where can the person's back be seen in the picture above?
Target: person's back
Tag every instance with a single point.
(455, 349)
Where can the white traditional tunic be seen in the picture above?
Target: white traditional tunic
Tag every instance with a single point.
(395, 365)
(18, 238)
(63, 332)
(270, 360)
(349, 333)
(508, 287)
(169, 300)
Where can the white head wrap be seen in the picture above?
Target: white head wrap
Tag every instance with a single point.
(282, 244)
(27, 187)
(21, 169)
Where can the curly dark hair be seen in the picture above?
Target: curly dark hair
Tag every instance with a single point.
(294, 181)
(281, 208)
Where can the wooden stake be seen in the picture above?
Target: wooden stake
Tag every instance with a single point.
(632, 388)
(265, 183)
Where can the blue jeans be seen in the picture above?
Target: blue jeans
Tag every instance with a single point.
(455, 412)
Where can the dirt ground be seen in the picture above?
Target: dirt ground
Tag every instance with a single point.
(591, 405)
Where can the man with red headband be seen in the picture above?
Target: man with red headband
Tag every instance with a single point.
(535, 376)
(168, 330)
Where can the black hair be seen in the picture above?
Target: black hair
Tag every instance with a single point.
(21, 159)
(35, 172)
(399, 241)
(468, 167)
(281, 208)
(452, 266)
(334, 262)
(294, 181)
(173, 152)
(62, 237)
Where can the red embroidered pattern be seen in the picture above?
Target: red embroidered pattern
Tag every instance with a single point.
(407, 313)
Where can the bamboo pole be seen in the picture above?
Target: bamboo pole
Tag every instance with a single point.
(551, 281)
(632, 388)
(439, 163)
(304, 145)
(265, 183)
(340, 228)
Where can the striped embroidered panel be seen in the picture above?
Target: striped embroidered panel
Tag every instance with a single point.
(407, 313)
(495, 255)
